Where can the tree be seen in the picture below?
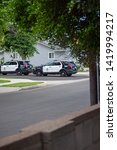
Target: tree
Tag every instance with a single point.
(12, 37)
(4, 19)
(67, 23)
(20, 42)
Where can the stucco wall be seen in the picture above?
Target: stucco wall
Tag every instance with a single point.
(76, 131)
(42, 56)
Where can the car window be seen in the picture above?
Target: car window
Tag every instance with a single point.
(13, 63)
(48, 64)
(20, 62)
(51, 64)
(65, 63)
(69, 63)
(56, 63)
(27, 62)
(73, 63)
(7, 63)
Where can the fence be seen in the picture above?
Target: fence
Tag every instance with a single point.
(76, 131)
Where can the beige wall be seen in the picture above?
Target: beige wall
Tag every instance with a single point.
(76, 131)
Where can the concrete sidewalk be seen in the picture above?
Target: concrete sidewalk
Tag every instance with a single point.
(83, 73)
(13, 89)
(8, 89)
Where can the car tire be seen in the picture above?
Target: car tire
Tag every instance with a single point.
(18, 72)
(4, 73)
(63, 73)
(69, 75)
(26, 74)
(39, 73)
(45, 74)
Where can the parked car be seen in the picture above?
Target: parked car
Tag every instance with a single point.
(64, 68)
(18, 67)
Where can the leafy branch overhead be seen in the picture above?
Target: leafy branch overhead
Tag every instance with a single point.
(12, 37)
(20, 42)
(73, 24)
(4, 19)
(67, 23)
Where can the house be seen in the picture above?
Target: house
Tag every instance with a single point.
(45, 54)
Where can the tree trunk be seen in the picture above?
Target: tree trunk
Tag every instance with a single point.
(93, 82)
(23, 57)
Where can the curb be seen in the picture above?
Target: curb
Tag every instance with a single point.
(33, 87)
(10, 90)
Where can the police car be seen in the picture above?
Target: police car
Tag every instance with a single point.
(64, 68)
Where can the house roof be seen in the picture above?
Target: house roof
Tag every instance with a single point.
(55, 48)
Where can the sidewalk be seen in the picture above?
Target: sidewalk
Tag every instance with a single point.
(8, 89)
(13, 89)
(83, 73)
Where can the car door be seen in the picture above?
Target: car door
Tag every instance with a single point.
(5, 67)
(13, 66)
(47, 67)
(56, 67)
(51, 68)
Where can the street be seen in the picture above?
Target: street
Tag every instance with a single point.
(49, 77)
(23, 108)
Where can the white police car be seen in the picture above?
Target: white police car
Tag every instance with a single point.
(64, 68)
(18, 67)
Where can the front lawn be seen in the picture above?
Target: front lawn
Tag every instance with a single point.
(22, 84)
(4, 81)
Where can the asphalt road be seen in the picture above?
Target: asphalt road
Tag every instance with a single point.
(21, 109)
(49, 77)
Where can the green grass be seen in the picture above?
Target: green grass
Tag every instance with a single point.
(4, 81)
(22, 84)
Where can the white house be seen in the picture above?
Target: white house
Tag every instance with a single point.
(45, 54)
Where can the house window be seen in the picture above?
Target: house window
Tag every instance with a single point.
(51, 55)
